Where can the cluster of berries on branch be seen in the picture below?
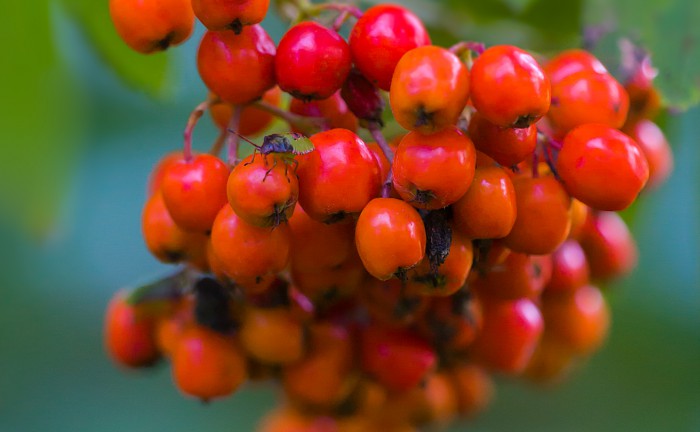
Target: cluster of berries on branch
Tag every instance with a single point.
(381, 282)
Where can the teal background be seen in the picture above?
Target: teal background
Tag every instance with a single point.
(54, 375)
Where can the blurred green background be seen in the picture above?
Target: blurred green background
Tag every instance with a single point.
(77, 145)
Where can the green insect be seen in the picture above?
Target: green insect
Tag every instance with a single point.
(283, 146)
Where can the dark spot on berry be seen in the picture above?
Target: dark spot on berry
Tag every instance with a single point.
(423, 118)
(236, 26)
(164, 43)
(524, 121)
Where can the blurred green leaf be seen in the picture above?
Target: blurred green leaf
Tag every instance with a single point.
(40, 119)
(144, 72)
(669, 30)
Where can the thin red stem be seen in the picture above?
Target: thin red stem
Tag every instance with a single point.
(195, 115)
(378, 136)
(340, 20)
(233, 138)
(461, 47)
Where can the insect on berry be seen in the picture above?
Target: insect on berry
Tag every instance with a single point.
(283, 146)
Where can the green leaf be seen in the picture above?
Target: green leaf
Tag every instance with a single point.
(144, 72)
(669, 30)
(41, 118)
(532, 24)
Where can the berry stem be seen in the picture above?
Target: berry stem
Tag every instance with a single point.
(378, 136)
(308, 125)
(340, 20)
(461, 48)
(195, 115)
(233, 138)
(338, 7)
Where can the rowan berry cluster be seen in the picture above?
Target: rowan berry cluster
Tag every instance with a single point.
(381, 284)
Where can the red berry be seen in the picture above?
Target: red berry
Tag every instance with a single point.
(516, 276)
(602, 167)
(316, 245)
(237, 68)
(207, 364)
(338, 178)
(578, 320)
(507, 146)
(569, 268)
(656, 149)
(272, 336)
(129, 333)
(429, 90)
(610, 247)
(246, 251)
(263, 191)
(363, 98)
(390, 237)
(150, 26)
(195, 190)
(509, 88)
(312, 61)
(488, 209)
(587, 97)
(569, 62)
(164, 238)
(397, 358)
(434, 171)
(544, 215)
(334, 110)
(230, 14)
(381, 37)
(509, 335)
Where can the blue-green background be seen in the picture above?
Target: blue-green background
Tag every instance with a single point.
(58, 269)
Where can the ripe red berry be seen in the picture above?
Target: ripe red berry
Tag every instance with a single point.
(656, 149)
(578, 320)
(569, 62)
(363, 98)
(450, 276)
(602, 167)
(515, 276)
(312, 61)
(207, 364)
(390, 237)
(429, 90)
(544, 215)
(587, 97)
(164, 238)
(237, 68)
(195, 190)
(263, 191)
(338, 178)
(272, 335)
(329, 365)
(474, 389)
(381, 37)
(129, 333)
(509, 88)
(609, 245)
(507, 146)
(569, 268)
(509, 335)
(397, 358)
(150, 26)
(434, 171)
(246, 251)
(488, 209)
(155, 179)
(333, 109)
(316, 245)
(230, 14)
